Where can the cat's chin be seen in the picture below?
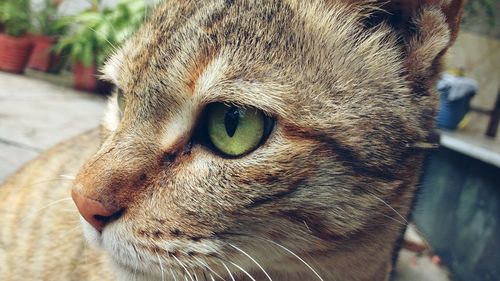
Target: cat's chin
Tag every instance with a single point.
(129, 263)
(126, 267)
(127, 273)
(92, 236)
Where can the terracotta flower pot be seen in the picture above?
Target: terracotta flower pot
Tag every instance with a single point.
(85, 76)
(14, 53)
(43, 58)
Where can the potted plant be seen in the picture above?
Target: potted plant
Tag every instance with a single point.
(48, 26)
(95, 35)
(15, 46)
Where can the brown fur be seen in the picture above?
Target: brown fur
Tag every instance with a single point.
(350, 85)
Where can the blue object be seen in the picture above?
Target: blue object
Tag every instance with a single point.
(454, 101)
(452, 112)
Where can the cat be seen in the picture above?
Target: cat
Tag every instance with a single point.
(246, 140)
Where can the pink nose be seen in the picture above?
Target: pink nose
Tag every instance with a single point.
(93, 211)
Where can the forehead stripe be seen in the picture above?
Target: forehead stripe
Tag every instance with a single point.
(199, 68)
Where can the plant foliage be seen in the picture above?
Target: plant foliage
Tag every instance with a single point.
(15, 16)
(486, 8)
(98, 31)
(48, 21)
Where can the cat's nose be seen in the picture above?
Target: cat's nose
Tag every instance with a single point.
(93, 211)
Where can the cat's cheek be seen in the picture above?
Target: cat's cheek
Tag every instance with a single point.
(92, 236)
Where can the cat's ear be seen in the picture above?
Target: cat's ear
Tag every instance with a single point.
(407, 14)
(426, 28)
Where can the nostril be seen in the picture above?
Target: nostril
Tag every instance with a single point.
(94, 212)
(107, 219)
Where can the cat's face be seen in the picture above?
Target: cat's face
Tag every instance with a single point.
(239, 128)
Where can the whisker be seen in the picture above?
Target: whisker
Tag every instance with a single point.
(161, 267)
(230, 274)
(136, 267)
(173, 275)
(47, 206)
(54, 202)
(299, 258)
(184, 267)
(18, 189)
(209, 268)
(385, 203)
(393, 219)
(70, 231)
(305, 223)
(106, 39)
(40, 182)
(211, 277)
(67, 177)
(195, 276)
(243, 270)
(85, 253)
(246, 254)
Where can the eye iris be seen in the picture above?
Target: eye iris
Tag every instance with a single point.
(235, 131)
(231, 121)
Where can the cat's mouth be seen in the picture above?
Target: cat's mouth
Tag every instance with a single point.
(148, 260)
(93, 237)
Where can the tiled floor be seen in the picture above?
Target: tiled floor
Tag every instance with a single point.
(36, 114)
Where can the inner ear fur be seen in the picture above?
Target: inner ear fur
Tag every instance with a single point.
(405, 11)
(425, 28)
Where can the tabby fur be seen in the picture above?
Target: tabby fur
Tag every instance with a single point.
(326, 197)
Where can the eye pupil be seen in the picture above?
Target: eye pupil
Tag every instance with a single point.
(231, 120)
(235, 131)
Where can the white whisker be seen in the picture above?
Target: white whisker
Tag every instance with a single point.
(195, 276)
(173, 275)
(136, 267)
(161, 267)
(39, 182)
(244, 271)
(230, 274)
(209, 268)
(261, 268)
(393, 219)
(299, 258)
(184, 267)
(67, 177)
(69, 231)
(106, 39)
(49, 205)
(385, 203)
(85, 253)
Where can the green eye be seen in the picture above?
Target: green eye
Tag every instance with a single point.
(236, 131)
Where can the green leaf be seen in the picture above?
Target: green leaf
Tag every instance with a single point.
(87, 56)
(95, 33)
(15, 16)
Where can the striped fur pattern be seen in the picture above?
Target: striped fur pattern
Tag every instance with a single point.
(326, 197)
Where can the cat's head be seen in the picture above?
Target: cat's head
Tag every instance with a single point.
(258, 127)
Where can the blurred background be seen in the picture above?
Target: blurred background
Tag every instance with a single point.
(51, 50)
